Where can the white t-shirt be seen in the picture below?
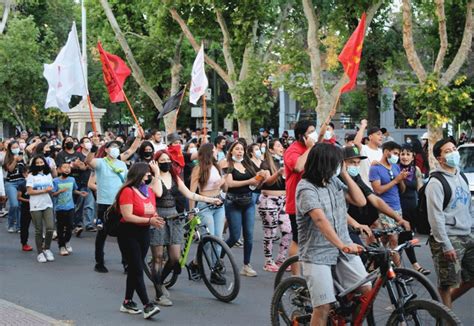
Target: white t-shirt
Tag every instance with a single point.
(159, 147)
(372, 155)
(39, 182)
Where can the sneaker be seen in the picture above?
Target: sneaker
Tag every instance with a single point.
(99, 225)
(279, 263)
(217, 279)
(91, 229)
(63, 251)
(18, 231)
(247, 270)
(150, 310)
(270, 267)
(68, 248)
(49, 255)
(165, 291)
(77, 231)
(130, 307)
(41, 258)
(55, 235)
(239, 244)
(26, 247)
(164, 301)
(11, 230)
(193, 271)
(100, 268)
(3, 213)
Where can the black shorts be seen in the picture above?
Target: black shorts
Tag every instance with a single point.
(294, 227)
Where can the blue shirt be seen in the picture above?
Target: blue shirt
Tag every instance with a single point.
(64, 201)
(391, 196)
(108, 181)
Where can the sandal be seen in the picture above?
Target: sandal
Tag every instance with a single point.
(423, 271)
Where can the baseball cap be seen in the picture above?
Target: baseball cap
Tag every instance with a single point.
(110, 143)
(425, 136)
(373, 130)
(352, 152)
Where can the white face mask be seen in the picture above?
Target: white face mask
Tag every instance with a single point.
(88, 146)
(258, 154)
(193, 150)
(237, 160)
(327, 135)
(314, 136)
(22, 146)
(114, 152)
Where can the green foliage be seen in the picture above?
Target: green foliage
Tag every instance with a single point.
(438, 104)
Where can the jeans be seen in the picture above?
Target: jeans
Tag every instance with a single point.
(85, 208)
(213, 218)
(11, 189)
(40, 217)
(101, 237)
(64, 226)
(241, 218)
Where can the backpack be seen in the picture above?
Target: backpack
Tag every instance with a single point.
(112, 218)
(422, 224)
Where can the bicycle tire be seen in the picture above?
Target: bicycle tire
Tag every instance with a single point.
(443, 315)
(419, 285)
(298, 286)
(219, 267)
(170, 280)
(282, 270)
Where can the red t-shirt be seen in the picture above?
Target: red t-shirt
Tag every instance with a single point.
(291, 156)
(142, 206)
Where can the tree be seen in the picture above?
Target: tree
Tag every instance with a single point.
(435, 86)
(7, 4)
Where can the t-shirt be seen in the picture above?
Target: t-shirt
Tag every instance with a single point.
(81, 176)
(142, 206)
(313, 245)
(25, 206)
(16, 174)
(159, 146)
(367, 214)
(39, 182)
(291, 156)
(220, 156)
(108, 182)
(380, 172)
(64, 201)
(372, 155)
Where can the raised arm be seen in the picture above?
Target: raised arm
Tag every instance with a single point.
(193, 196)
(360, 134)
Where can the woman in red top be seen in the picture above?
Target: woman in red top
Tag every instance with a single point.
(137, 204)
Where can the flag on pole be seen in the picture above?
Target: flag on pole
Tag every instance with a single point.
(351, 54)
(115, 72)
(65, 75)
(171, 104)
(199, 81)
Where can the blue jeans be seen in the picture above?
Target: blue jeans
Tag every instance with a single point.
(85, 208)
(11, 189)
(241, 218)
(213, 218)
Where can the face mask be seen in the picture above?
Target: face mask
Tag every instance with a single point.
(165, 167)
(47, 154)
(338, 170)
(258, 154)
(393, 159)
(408, 141)
(15, 151)
(235, 159)
(182, 147)
(452, 159)
(327, 135)
(148, 180)
(263, 150)
(22, 146)
(313, 136)
(277, 157)
(147, 155)
(114, 152)
(37, 168)
(353, 170)
(88, 146)
(65, 174)
(193, 150)
(290, 142)
(69, 145)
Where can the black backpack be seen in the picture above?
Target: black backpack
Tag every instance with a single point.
(112, 218)
(422, 224)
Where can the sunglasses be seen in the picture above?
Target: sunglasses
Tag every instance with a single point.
(390, 172)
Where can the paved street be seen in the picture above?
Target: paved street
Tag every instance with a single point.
(68, 289)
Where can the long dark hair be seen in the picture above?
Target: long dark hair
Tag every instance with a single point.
(9, 157)
(134, 177)
(46, 169)
(247, 163)
(322, 163)
(141, 149)
(269, 157)
(206, 161)
(418, 149)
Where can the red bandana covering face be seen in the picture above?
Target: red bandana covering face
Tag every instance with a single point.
(176, 154)
(331, 141)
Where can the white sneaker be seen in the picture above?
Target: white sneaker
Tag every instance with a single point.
(164, 301)
(247, 270)
(11, 230)
(49, 255)
(68, 248)
(41, 258)
(55, 235)
(63, 251)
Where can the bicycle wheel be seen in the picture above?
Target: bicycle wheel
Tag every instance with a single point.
(218, 268)
(280, 275)
(407, 282)
(424, 312)
(291, 299)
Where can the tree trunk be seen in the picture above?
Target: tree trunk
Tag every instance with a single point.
(372, 92)
(245, 130)
(6, 12)
(17, 117)
(434, 134)
(171, 118)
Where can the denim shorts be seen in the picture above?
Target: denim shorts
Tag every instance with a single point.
(171, 233)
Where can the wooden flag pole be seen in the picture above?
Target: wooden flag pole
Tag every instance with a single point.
(179, 106)
(94, 128)
(204, 115)
(131, 110)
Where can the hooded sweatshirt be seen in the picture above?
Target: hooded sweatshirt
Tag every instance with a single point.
(456, 218)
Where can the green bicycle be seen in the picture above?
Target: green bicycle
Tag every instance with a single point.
(214, 259)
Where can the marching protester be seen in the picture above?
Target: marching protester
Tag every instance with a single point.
(371, 150)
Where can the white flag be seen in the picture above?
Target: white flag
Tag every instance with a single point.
(199, 81)
(65, 76)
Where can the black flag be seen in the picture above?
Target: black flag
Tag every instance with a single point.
(171, 104)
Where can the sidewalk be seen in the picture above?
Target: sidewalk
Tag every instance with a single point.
(12, 314)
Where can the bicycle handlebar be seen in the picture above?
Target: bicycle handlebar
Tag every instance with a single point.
(378, 233)
(185, 214)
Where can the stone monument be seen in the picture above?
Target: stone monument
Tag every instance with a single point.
(81, 120)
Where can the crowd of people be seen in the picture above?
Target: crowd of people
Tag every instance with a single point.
(308, 191)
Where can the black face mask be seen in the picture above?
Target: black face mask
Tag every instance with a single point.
(165, 167)
(147, 155)
(37, 168)
(64, 174)
(47, 154)
(69, 145)
(149, 180)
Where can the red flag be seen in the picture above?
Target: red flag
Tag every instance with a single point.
(115, 73)
(350, 55)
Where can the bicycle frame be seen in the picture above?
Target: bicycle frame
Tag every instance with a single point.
(193, 223)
